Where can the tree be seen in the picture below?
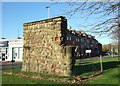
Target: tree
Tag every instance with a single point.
(109, 11)
(106, 48)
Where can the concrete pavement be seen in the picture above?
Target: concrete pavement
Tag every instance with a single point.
(10, 65)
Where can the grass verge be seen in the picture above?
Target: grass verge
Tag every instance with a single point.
(85, 68)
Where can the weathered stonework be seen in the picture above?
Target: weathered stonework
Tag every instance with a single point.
(43, 47)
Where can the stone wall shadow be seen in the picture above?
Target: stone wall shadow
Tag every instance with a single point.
(78, 70)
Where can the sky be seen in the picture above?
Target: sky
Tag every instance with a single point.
(14, 14)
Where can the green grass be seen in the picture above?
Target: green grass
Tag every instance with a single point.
(108, 77)
(110, 74)
(8, 79)
(13, 79)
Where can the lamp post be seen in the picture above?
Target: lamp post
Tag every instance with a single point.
(48, 7)
(119, 29)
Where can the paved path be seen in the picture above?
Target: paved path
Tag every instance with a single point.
(10, 65)
(95, 58)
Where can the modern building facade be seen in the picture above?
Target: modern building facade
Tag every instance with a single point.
(11, 49)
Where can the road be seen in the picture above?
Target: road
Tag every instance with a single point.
(10, 65)
(15, 65)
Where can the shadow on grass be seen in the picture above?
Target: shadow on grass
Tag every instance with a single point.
(80, 69)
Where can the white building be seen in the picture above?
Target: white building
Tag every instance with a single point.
(3, 49)
(11, 49)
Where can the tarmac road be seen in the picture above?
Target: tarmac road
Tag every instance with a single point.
(15, 65)
(10, 65)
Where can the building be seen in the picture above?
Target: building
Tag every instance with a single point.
(110, 48)
(84, 42)
(11, 49)
(3, 49)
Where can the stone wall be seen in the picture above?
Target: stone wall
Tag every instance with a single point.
(43, 51)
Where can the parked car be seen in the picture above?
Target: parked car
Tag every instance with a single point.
(105, 53)
(109, 53)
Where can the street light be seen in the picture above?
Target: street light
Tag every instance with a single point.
(48, 7)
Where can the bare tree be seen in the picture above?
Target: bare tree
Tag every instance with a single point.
(116, 36)
(106, 10)
(108, 16)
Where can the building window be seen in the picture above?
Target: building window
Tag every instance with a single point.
(6, 57)
(82, 46)
(67, 38)
(6, 50)
(81, 39)
(87, 41)
(18, 53)
(76, 39)
(70, 38)
(73, 42)
(14, 53)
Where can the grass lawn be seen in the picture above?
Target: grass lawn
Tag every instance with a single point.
(110, 74)
(8, 79)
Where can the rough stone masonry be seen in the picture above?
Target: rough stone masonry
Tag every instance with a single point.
(44, 48)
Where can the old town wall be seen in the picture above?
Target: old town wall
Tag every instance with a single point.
(43, 51)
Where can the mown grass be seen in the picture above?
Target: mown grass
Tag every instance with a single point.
(8, 79)
(44, 79)
(110, 74)
(91, 66)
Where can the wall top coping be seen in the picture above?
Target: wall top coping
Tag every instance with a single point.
(45, 20)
